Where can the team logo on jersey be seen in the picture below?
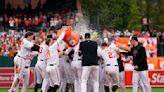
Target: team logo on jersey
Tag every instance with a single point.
(135, 52)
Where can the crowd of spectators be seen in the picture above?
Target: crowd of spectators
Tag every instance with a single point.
(14, 27)
(35, 23)
(10, 40)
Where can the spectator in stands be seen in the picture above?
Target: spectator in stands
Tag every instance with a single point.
(11, 23)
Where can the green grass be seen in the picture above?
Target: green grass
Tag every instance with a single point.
(155, 89)
(127, 90)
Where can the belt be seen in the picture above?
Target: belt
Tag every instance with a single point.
(79, 59)
(21, 57)
(110, 65)
(51, 64)
(42, 60)
(26, 67)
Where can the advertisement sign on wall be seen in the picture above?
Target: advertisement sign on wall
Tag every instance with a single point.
(7, 76)
(156, 78)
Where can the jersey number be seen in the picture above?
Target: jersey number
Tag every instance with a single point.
(111, 55)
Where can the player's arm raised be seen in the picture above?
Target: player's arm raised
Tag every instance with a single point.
(55, 44)
(123, 47)
(64, 28)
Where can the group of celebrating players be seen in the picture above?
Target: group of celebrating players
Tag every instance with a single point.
(85, 67)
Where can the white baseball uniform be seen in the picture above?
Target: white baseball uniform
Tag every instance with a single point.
(41, 63)
(21, 67)
(53, 62)
(141, 82)
(101, 76)
(62, 68)
(62, 65)
(101, 79)
(77, 68)
(40, 67)
(122, 81)
(110, 56)
(68, 70)
(122, 73)
(121, 76)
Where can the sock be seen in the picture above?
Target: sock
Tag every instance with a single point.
(50, 89)
(114, 88)
(67, 87)
(106, 88)
(36, 87)
(55, 88)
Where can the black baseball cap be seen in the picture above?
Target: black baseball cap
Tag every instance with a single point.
(87, 35)
(134, 38)
(28, 34)
(49, 36)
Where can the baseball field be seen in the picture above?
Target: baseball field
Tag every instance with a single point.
(161, 89)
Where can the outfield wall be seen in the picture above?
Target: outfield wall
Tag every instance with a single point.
(7, 74)
(156, 78)
(7, 61)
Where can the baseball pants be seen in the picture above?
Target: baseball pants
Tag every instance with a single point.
(45, 84)
(77, 69)
(66, 73)
(111, 76)
(53, 74)
(143, 76)
(122, 81)
(63, 78)
(40, 69)
(21, 72)
(94, 70)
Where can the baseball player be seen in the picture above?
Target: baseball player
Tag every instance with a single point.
(40, 67)
(64, 67)
(69, 71)
(45, 84)
(62, 73)
(53, 63)
(121, 73)
(63, 79)
(140, 64)
(77, 68)
(127, 59)
(110, 55)
(90, 65)
(21, 60)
